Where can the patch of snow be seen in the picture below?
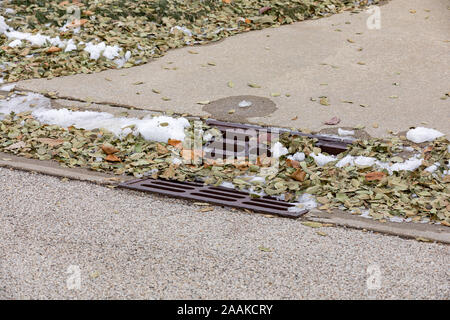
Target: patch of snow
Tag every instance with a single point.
(298, 156)
(244, 104)
(227, 184)
(121, 61)
(185, 30)
(278, 150)
(359, 161)
(366, 214)
(322, 159)
(149, 128)
(409, 165)
(70, 46)
(396, 219)
(15, 43)
(177, 161)
(343, 132)
(8, 87)
(95, 50)
(433, 167)
(308, 201)
(421, 134)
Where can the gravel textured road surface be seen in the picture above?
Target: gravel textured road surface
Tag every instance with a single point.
(134, 245)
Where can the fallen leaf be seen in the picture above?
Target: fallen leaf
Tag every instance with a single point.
(293, 164)
(53, 49)
(261, 248)
(312, 224)
(324, 101)
(332, 121)
(175, 143)
(253, 85)
(264, 9)
(206, 209)
(17, 145)
(375, 175)
(112, 158)
(109, 149)
(299, 175)
(51, 142)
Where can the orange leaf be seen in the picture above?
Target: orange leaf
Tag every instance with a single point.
(112, 158)
(51, 142)
(53, 49)
(292, 163)
(109, 149)
(299, 175)
(248, 21)
(175, 143)
(226, 1)
(376, 175)
(77, 23)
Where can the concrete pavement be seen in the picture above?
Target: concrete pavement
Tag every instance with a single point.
(399, 73)
(125, 244)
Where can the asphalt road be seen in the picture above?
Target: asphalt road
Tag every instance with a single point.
(70, 239)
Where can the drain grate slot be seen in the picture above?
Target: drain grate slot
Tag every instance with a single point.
(214, 195)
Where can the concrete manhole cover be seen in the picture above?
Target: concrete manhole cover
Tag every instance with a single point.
(228, 109)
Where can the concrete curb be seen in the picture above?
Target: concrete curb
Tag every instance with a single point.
(425, 232)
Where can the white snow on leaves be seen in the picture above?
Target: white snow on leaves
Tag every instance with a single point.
(159, 128)
(95, 50)
(421, 134)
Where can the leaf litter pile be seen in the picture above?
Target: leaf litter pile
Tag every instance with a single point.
(48, 38)
(386, 179)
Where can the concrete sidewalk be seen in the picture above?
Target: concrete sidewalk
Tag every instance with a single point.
(399, 73)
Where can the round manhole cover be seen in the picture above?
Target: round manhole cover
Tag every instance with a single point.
(239, 108)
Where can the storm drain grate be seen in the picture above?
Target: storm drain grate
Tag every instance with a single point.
(238, 141)
(215, 195)
(238, 135)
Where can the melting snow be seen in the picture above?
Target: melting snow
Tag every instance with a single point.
(149, 128)
(421, 134)
(299, 156)
(244, 103)
(343, 132)
(278, 150)
(8, 87)
(322, 159)
(95, 50)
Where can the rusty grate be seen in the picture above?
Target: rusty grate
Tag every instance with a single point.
(242, 133)
(235, 143)
(215, 195)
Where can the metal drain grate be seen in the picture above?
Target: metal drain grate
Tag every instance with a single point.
(238, 135)
(238, 141)
(215, 195)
